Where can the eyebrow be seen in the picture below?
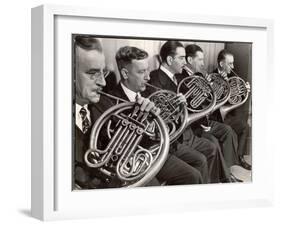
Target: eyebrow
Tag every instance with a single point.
(92, 70)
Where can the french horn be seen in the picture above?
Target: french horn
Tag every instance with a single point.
(200, 97)
(173, 112)
(238, 95)
(221, 88)
(123, 146)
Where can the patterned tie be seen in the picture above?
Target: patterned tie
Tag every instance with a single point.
(85, 120)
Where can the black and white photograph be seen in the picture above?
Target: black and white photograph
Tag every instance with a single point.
(159, 112)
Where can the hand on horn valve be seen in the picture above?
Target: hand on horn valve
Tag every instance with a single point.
(181, 98)
(147, 105)
(208, 77)
(224, 75)
(248, 87)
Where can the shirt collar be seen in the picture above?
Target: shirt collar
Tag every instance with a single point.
(129, 93)
(78, 107)
(167, 72)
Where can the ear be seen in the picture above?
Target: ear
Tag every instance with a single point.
(124, 73)
(169, 60)
(189, 59)
(221, 64)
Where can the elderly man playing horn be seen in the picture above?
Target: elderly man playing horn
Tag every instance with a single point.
(89, 80)
(172, 54)
(236, 119)
(132, 63)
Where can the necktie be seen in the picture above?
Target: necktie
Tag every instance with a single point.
(85, 120)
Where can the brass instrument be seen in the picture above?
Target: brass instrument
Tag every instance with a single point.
(221, 88)
(127, 153)
(238, 94)
(200, 97)
(173, 112)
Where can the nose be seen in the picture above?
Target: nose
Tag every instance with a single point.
(101, 81)
(147, 76)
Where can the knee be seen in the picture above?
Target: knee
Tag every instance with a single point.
(195, 177)
(230, 132)
(214, 149)
(202, 160)
(228, 129)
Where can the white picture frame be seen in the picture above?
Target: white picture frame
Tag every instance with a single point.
(52, 198)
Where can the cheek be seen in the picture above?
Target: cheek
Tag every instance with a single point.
(87, 87)
(135, 80)
(79, 84)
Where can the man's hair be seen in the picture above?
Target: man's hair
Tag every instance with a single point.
(190, 50)
(222, 55)
(87, 42)
(126, 54)
(169, 49)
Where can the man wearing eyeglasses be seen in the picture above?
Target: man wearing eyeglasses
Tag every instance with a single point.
(89, 79)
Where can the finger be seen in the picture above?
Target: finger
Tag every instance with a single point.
(149, 106)
(144, 104)
(139, 100)
(181, 98)
(158, 111)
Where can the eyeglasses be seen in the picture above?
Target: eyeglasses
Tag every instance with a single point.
(95, 73)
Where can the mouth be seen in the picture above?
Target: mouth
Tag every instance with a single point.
(144, 84)
(98, 91)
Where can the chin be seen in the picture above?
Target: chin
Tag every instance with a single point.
(142, 88)
(95, 99)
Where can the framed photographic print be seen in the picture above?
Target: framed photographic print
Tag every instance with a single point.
(135, 113)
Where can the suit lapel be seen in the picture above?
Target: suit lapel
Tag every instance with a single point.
(166, 82)
(119, 92)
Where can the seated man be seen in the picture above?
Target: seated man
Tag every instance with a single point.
(237, 118)
(173, 55)
(179, 169)
(224, 133)
(89, 80)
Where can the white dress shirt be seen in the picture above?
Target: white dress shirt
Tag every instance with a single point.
(78, 117)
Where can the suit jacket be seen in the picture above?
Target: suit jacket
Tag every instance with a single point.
(82, 173)
(159, 79)
(119, 92)
(85, 176)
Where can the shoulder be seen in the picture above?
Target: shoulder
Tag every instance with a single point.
(157, 76)
(116, 90)
(97, 109)
(216, 70)
(156, 73)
